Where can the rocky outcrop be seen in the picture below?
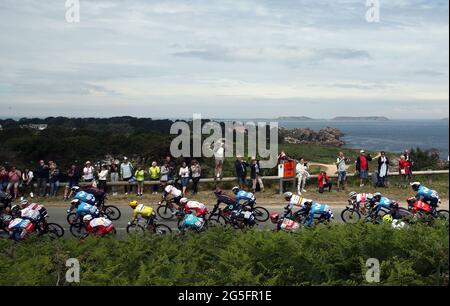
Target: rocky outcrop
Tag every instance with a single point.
(327, 136)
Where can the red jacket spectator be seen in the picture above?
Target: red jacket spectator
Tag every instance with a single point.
(323, 180)
(403, 167)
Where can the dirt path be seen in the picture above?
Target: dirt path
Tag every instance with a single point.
(329, 168)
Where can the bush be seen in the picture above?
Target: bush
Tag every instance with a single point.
(322, 256)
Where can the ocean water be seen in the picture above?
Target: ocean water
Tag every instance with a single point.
(390, 136)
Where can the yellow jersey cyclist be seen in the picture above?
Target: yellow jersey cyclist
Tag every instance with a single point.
(146, 212)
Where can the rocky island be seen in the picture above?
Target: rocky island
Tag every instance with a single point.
(371, 118)
(327, 136)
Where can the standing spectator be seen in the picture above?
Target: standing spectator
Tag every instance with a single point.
(241, 172)
(42, 174)
(196, 174)
(14, 177)
(154, 172)
(172, 167)
(27, 182)
(383, 170)
(140, 178)
(3, 179)
(103, 178)
(302, 175)
(410, 161)
(184, 176)
(341, 164)
(219, 156)
(73, 179)
(88, 172)
(256, 175)
(114, 170)
(282, 157)
(126, 172)
(362, 166)
(403, 169)
(165, 170)
(324, 182)
(54, 180)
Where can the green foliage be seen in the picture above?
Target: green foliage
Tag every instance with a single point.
(322, 256)
(425, 159)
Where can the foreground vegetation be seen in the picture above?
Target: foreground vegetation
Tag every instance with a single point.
(322, 256)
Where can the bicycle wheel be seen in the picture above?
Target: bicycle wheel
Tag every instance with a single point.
(78, 230)
(350, 215)
(165, 212)
(261, 214)
(72, 218)
(162, 229)
(442, 215)
(54, 231)
(135, 229)
(112, 212)
(217, 220)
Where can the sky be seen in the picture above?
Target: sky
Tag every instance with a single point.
(224, 59)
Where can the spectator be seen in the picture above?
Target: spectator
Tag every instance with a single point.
(302, 175)
(362, 167)
(219, 156)
(324, 182)
(3, 179)
(341, 164)
(172, 167)
(184, 176)
(155, 172)
(196, 174)
(140, 178)
(42, 174)
(103, 178)
(241, 172)
(256, 175)
(54, 179)
(73, 179)
(165, 170)
(383, 170)
(14, 177)
(410, 161)
(114, 170)
(88, 172)
(403, 169)
(282, 157)
(126, 172)
(27, 182)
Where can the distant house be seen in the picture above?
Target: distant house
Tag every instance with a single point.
(37, 127)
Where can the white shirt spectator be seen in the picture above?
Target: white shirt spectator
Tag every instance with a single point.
(184, 172)
(88, 173)
(126, 170)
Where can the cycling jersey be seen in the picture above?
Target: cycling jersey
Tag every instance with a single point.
(288, 225)
(421, 206)
(428, 195)
(225, 199)
(321, 210)
(85, 197)
(383, 203)
(248, 217)
(20, 226)
(101, 226)
(246, 197)
(146, 212)
(199, 208)
(173, 191)
(363, 198)
(30, 214)
(191, 222)
(298, 201)
(86, 209)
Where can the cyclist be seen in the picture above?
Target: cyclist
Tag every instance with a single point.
(293, 201)
(189, 222)
(242, 195)
(314, 209)
(98, 226)
(415, 205)
(243, 216)
(284, 224)
(426, 194)
(145, 212)
(380, 202)
(357, 199)
(19, 228)
(174, 192)
(83, 209)
(223, 198)
(198, 208)
(83, 196)
(34, 212)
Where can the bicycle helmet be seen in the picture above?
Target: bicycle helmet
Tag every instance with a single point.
(87, 218)
(184, 201)
(352, 195)
(23, 202)
(416, 185)
(75, 189)
(133, 204)
(288, 195)
(274, 217)
(6, 219)
(75, 202)
(377, 195)
(388, 219)
(235, 189)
